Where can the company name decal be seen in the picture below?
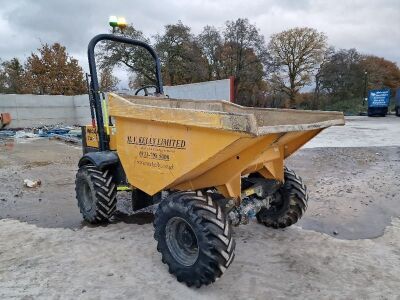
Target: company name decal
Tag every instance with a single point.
(156, 142)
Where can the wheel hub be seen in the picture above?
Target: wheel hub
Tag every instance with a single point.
(181, 241)
(188, 238)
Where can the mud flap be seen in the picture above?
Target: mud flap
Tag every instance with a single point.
(100, 159)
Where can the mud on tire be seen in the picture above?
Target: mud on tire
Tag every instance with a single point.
(194, 237)
(96, 193)
(292, 199)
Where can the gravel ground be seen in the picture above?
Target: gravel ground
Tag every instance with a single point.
(120, 262)
(345, 247)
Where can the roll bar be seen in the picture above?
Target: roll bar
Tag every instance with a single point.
(94, 84)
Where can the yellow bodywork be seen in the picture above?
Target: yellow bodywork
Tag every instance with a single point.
(189, 145)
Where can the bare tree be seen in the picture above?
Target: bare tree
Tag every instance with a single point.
(108, 82)
(316, 101)
(210, 41)
(136, 59)
(180, 55)
(238, 51)
(3, 79)
(244, 56)
(295, 53)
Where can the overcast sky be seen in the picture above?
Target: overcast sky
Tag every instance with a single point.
(373, 27)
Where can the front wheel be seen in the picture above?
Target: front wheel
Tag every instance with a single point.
(289, 204)
(194, 237)
(96, 193)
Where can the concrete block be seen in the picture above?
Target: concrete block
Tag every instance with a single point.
(210, 90)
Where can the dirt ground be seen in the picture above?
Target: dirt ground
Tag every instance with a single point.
(345, 247)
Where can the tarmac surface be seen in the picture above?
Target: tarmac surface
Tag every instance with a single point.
(360, 132)
(345, 247)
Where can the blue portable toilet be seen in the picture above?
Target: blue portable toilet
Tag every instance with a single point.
(378, 102)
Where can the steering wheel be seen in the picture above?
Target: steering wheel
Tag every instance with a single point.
(144, 88)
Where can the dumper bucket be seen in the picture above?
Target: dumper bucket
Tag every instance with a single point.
(190, 144)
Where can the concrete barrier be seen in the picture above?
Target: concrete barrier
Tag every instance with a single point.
(208, 90)
(37, 110)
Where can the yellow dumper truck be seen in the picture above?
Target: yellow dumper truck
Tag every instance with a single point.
(211, 165)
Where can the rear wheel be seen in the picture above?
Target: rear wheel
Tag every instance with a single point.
(194, 238)
(96, 193)
(289, 205)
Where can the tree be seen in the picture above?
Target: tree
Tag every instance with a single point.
(180, 55)
(211, 43)
(318, 77)
(108, 82)
(243, 56)
(295, 54)
(381, 73)
(341, 75)
(53, 72)
(136, 59)
(240, 51)
(11, 76)
(3, 80)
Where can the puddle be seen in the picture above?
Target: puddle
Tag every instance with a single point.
(350, 231)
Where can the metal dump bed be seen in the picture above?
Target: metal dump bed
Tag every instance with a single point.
(190, 144)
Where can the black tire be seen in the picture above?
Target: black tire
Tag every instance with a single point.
(194, 238)
(96, 194)
(290, 205)
(398, 111)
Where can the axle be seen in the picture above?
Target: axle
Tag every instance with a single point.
(247, 209)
